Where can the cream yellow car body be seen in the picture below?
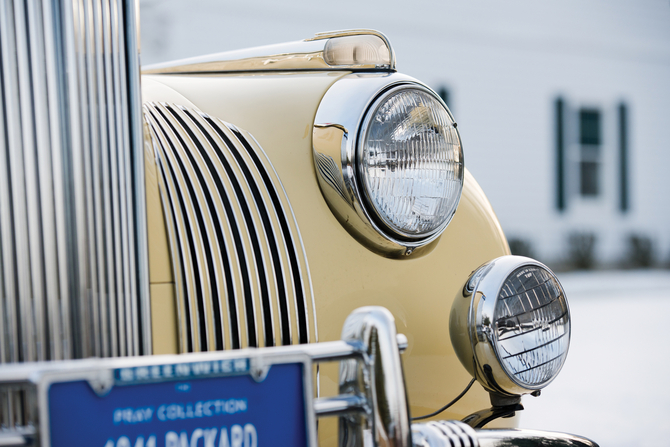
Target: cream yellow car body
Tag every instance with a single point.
(278, 110)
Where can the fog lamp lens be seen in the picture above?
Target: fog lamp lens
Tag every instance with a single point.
(531, 326)
(411, 162)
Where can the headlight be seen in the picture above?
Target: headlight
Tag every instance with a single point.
(510, 327)
(389, 161)
(410, 162)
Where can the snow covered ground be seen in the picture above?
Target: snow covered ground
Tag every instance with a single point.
(614, 387)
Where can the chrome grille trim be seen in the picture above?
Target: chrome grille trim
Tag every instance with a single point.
(73, 265)
(300, 300)
(300, 269)
(230, 228)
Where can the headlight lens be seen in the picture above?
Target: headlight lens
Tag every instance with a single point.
(411, 162)
(513, 320)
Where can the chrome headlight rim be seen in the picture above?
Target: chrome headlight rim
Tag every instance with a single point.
(483, 351)
(337, 128)
(374, 215)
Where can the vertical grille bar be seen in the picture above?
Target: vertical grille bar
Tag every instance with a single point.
(32, 292)
(10, 136)
(139, 259)
(58, 277)
(46, 267)
(114, 259)
(73, 268)
(106, 242)
(18, 281)
(48, 324)
(125, 312)
(79, 120)
(116, 310)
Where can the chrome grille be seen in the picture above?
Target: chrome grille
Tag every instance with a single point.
(73, 269)
(241, 273)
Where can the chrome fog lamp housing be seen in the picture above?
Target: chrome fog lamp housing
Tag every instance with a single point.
(389, 161)
(510, 326)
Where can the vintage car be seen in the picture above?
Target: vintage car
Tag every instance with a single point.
(170, 246)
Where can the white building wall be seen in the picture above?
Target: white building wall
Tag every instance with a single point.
(504, 64)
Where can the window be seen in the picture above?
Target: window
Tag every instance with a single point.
(589, 152)
(444, 94)
(582, 158)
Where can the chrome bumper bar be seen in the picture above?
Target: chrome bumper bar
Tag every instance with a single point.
(372, 404)
(383, 416)
(459, 434)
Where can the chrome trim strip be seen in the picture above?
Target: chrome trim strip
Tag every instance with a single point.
(76, 231)
(303, 268)
(267, 235)
(303, 55)
(97, 167)
(4, 204)
(86, 233)
(198, 240)
(265, 239)
(247, 257)
(59, 310)
(137, 142)
(139, 261)
(127, 297)
(237, 257)
(185, 237)
(198, 138)
(511, 436)
(229, 186)
(118, 174)
(340, 405)
(20, 244)
(9, 134)
(44, 248)
(107, 276)
(447, 433)
(166, 201)
(234, 264)
(302, 289)
(458, 434)
(18, 438)
(88, 97)
(29, 215)
(114, 259)
(243, 215)
(196, 230)
(171, 207)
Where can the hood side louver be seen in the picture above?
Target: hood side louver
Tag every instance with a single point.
(241, 273)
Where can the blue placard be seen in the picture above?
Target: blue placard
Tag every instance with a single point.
(148, 408)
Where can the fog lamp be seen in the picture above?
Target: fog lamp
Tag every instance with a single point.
(510, 325)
